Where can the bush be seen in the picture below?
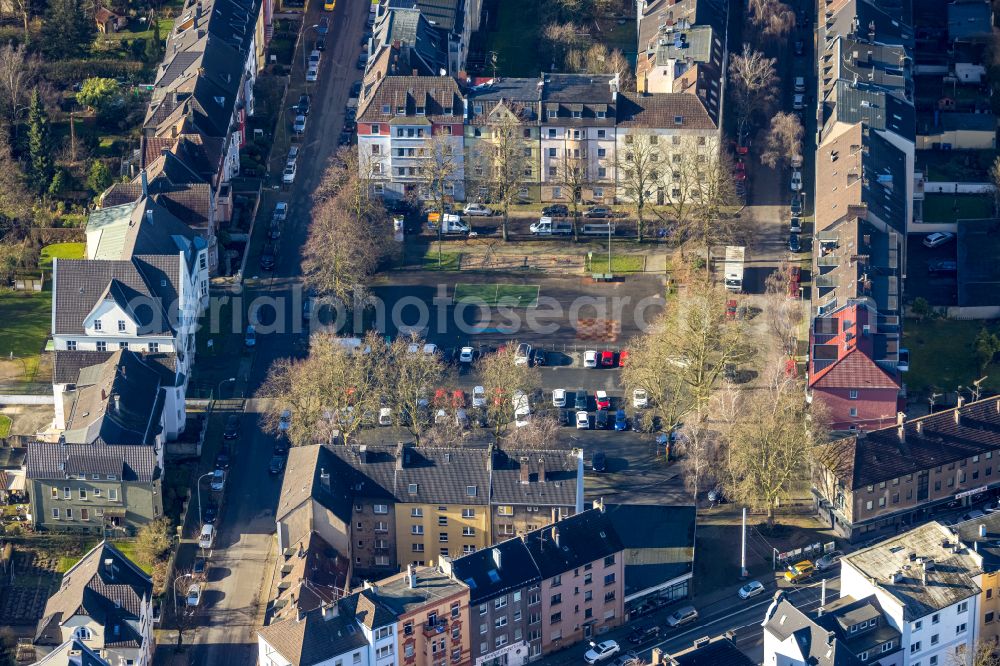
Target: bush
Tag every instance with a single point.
(67, 73)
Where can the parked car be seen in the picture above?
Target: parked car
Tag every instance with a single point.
(795, 225)
(602, 399)
(218, 480)
(277, 465)
(281, 208)
(222, 461)
(581, 400)
(938, 238)
(829, 560)
(796, 181)
(466, 355)
(621, 421)
(682, 616)
(793, 243)
(280, 447)
(601, 419)
(590, 359)
(799, 47)
(301, 107)
(315, 57)
(321, 44)
(267, 259)
(602, 651)
(323, 27)
(556, 210)
(288, 175)
(598, 212)
(477, 210)
(565, 417)
(311, 75)
(523, 354)
(299, 125)
(559, 397)
(479, 397)
(798, 102)
(599, 461)
(942, 267)
(538, 357)
(193, 597)
(210, 513)
(751, 589)
(362, 60)
(607, 359)
(800, 571)
(355, 88)
(640, 399)
(250, 336)
(641, 635)
(796, 204)
(582, 421)
(200, 563)
(232, 430)
(285, 421)
(274, 231)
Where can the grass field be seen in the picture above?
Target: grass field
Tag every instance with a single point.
(620, 264)
(449, 261)
(511, 295)
(127, 547)
(60, 251)
(941, 356)
(946, 208)
(5, 424)
(27, 318)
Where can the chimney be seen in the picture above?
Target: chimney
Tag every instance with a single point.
(900, 418)
(555, 535)
(960, 401)
(109, 567)
(830, 637)
(541, 470)
(411, 576)
(496, 557)
(329, 611)
(919, 425)
(525, 471)
(982, 530)
(923, 574)
(324, 476)
(149, 216)
(299, 615)
(599, 504)
(657, 656)
(117, 401)
(145, 183)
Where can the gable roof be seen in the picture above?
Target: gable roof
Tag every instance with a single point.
(662, 111)
(718, 651)
(497, 570)
(74, 652)
(315, 637)
(308, 475)
(365, 607)
(843, 351)
(572, 542)
(104, 586)
(144, 227)
(815, 644)
(551, 477)
(49, 462)
(146, 285)
(67, 364)
(438, 96)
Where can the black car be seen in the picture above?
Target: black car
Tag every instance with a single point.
(641, 635)
(321, 45)
(362, 60)
(581, 400)
(281, 447)
(199, 566)
(539, 357)
(556, 210)
(601, 422)
(222, 461)
(355, 88)
(302, 107)
(209, 514)
(793, 243)
(942, 267)
(799, 47)
(565, 417)
(599, 461)
(274, 232)
(323, 27)
(277, 465)
(267, 258)
(232, 427)
(344, 139)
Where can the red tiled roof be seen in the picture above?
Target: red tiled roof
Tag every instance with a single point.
(856, 370)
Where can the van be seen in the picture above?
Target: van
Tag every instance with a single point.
(682, 616)
(800, 571)
(207, 537)
(800, 84)
(547, 226)
(453, 224)
(598, 229)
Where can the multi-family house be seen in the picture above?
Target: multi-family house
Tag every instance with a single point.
(925, 583)
(321, 637)
(453, 20)
(875, 482)
(505, 603)
(400, 120)
(385, 507)
(581, 565)
(310, 573)
(982, 538)
(853, 367)
(845, 632)
(405, 41)
(105, 602)
(683, 49)
(93, 488)
(73, 652)
(718, 650)
(577, 128)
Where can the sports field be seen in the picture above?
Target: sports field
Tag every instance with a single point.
(510, 295)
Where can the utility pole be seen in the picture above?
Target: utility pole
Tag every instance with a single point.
(743, 551)
(72, 138)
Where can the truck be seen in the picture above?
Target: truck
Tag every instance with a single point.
(452, 224)
(735, 258)
(546, 226)
(598, 229)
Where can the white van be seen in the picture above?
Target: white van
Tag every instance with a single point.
(547, 226)
(207, 537)
(598, 229)
(453, 224)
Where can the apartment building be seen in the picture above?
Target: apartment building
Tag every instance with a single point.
(925, 582)
(981, 537)
(875, 482)
(321, 637)
(106, 602)
(388, 506)
(847, 631)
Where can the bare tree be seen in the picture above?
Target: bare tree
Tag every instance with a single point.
(699, 450)
(17, 74)
(984, 654)
(766, 455)
(783, 140)
(503, 378)
(542, 432)
(572, 176)
(563, 38)
(409, 375)
(640, 172)
(754, 85)
(503, 159)
(438, 174)
(995, 181)
(704, 202)
(782, 312)
(772, 18)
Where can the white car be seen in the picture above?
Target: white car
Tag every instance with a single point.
(523, 354)
(477, 210)
(640, 399)
(796, 183)
(582, 421)
(559, 398)
(315, 57)
(430, 348)
(385, 416)
(590, 359)
(751, 589)
(522, 416)
(311, 75)
(194, 595)
(288, 175)
(466, 355)
(479, 397)
(218, 480)
(293, 155)
(829, 560)
(280, 211)
(440, 416)
(938, 238)
(299, 126)
(602, 651)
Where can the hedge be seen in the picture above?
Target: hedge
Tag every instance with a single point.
(70, 72)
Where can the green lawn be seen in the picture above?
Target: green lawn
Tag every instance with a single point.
(126, 546)
(27, 318)
(956, 165)
(60, 251)
(941, 357)
(511, 295)
(942, 208)
(627, 263)
(449, 261)
(5, 423)
(516, 39)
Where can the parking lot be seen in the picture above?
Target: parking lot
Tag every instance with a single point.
(939, 288)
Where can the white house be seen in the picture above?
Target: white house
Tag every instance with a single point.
(321, 637)
(925, 582)
(105, 602)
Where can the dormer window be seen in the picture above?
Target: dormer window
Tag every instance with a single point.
(601, 114)
(478, 109)
(386, 109)
(420, 110)
(678, 120)
(577, 114)
(400, 110)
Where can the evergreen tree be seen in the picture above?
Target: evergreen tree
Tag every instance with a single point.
(99, 177)
(41, 166)
(154, 45)
(68, 30)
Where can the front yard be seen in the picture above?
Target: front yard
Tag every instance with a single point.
(941, 357)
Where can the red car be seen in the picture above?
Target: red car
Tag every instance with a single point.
(622, 358)
(602, 399)
(794, 281)
(440, 398)
(607, 359)
(457, 399)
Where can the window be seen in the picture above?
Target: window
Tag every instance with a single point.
(505, 510)
(960, 629)
(608, 561)
(552, 133)
(556, 599)
(962, 607)
(83, 633)
(468, 549)
(609, 596)
(121, 325)
(84, 514)
(412, 489)
(416, 513)
(468, 531)
(471, 491)
(71, 345)
(442, 521)
(468, 513)
(380, 508)
(500, 602)
(501, 640)
(500, 622)
(69, 514)
(588, 595)
(55, 514)
(83, 493)
(854, 411)
(935, 638)
(408, 650)
(381, 526)
(97, 325)
(989, 618)
(102, 346)
(556, 581)
(915, 647)
(601, 133)
(935, 618)
(67, 493)
(418, 548)
(555, 617)
(419, 529)
(442, 537)
(853, 394)
(383, 652)
(602, 172)
(609, 579)
(868, 505)
(456, 654)
(113, 494)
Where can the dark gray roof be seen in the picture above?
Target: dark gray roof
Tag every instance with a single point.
(520, 96)
(12, 457)
(978, 270)
(446, 14)
(316, 637)
(884, 183)
(561, 470)
(663, 111)
(119, 401)
(109, 594)
(857, 260)
(658, 542)
(987, 545)
(423, 47)
(573, 542)
(969, 20)
(431, 586)
(720, 651)
(145, 285)
(315, 472)
(365, 607)
(438, 96)
(564, 95)
(496, 570)
(863, 103)
(68, 364)
(881, 21)
(48, 461)
(846, 612)
(816, 645)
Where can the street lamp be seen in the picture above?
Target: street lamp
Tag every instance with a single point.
(224, 381)
(181, 577)
(198, 485)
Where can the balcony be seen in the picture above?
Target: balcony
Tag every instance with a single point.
(435, 629)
